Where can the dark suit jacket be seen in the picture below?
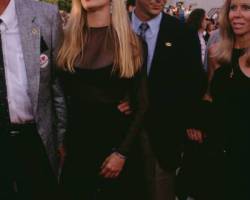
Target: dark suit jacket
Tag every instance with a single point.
(176, 84)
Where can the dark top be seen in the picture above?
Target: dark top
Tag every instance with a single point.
(231, 96)
(230, 90)
(93, 93)
(99, 49)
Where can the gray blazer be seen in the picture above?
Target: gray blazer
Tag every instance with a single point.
(40, 29)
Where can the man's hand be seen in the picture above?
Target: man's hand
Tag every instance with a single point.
(196, 135)
(112, 166)
(124, 107)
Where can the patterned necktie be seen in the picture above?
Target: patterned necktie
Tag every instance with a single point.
(4, 110)
(143, 28)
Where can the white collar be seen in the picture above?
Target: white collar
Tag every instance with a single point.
(9, 15)
(154, 23)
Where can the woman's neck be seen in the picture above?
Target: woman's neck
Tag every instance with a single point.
(242, 41)
(99, 18)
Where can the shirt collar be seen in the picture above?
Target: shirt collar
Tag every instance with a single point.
(9, 15)
(154, 23)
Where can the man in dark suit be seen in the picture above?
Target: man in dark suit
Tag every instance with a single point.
(176, 84)
(32, 108)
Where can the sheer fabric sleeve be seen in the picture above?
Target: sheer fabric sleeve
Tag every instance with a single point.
(139, 105)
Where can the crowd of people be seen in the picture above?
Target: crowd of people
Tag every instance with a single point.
(124, 102)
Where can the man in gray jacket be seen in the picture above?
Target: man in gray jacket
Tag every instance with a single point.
(32, 107)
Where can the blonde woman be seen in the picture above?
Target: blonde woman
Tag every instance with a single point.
(102, 61)
(231, 95)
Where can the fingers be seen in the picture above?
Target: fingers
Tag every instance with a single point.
(124, 107)
(195, 135)
(109, 172)
(112, 166)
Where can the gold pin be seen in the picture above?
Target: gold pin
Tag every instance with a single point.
(168, 44)
(34, 31)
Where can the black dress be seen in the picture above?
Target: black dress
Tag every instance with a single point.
(97, 127)
(231, 96)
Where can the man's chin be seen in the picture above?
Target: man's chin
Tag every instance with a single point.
(155, 13)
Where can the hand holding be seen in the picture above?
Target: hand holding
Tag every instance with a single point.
(195, 135)
(124, 107)
(112, 166)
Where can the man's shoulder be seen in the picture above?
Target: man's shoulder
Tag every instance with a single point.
(171, 20)
(172, 25)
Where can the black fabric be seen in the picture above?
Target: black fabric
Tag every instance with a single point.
(4, 111)
(43, 45)
(25, 172)
(96, 102)
(201, 175)
(96, 126)
(100, 38)
(176, 84)
(230, 90)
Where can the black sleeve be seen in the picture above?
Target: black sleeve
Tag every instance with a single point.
(139, 104)
(196, 81)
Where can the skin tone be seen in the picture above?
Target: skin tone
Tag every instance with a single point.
(98, 15)
(239, 18)
(98, 12)
(3, 5)
(146, 10)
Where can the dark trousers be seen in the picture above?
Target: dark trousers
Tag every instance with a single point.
(25, 172)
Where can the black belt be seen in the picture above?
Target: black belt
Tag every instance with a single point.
(17, 129)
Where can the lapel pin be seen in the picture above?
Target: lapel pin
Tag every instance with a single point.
(34, 31)
(168, 44)
(44, 60)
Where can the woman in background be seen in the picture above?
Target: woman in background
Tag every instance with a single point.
(197, 22)
(102, 61)
(230, 91)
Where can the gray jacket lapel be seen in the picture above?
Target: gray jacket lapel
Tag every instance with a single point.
(30, 40)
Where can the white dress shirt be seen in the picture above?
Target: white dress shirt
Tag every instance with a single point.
(150, 35)
(203, 46)
(20, 107)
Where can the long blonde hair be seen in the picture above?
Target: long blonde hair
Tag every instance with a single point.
(223, 54)
(128, 56)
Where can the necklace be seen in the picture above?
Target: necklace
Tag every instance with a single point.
(236, 54)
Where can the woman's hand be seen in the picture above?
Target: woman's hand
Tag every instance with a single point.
(112, 166)
(196, 135)
(124, 107)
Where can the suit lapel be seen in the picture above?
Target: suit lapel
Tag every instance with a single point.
(163, 38)
(30, 41)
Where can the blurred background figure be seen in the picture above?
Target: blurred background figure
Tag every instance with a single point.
(130, 5)
(211, 26)
(197, 21)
